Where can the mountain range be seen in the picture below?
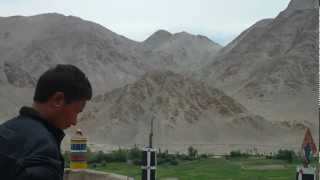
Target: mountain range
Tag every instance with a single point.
(246, 95)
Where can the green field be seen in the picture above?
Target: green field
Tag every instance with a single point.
(214, 169)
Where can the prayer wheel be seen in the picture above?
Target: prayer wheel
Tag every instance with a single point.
(78, 151)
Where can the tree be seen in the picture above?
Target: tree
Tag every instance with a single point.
(119, 155)
(135, 155)
(287, 155)
(192, 153)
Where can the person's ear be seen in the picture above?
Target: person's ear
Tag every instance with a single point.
(58, 100)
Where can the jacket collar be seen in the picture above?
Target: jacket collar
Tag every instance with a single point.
(30, 112)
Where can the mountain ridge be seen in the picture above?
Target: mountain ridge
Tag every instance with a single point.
(184, 111)
(260, 87)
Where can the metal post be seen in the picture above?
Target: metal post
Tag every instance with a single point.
(148, 164)
(149, 161)
(151, 133)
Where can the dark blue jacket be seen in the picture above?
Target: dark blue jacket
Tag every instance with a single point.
(30, 148)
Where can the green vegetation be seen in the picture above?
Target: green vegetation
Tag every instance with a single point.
(218, 169)
(237, 154)
(286, 155)
(235, 166)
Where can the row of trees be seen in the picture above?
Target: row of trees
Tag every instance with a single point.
(282, 154)
(134, 156)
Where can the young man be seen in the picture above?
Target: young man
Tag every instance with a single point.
(30, 142)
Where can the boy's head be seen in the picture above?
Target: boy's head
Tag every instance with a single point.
(61, 93)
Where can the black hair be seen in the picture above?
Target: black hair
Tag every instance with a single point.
(67, 79)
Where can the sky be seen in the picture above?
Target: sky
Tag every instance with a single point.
(219, 20)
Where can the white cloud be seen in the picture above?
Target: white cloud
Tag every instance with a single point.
(137, 19)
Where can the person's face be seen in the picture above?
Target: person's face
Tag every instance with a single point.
(63, 114)
(69, 113)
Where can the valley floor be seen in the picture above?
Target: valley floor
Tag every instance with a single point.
(214, 169)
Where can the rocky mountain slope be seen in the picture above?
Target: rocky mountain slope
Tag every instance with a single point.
(181, 52)
(256, 89)
(185, 112)
(271, 68)
(36, 43)
(30, 45)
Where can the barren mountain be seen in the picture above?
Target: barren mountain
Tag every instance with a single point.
(30, 45)
(37, 42)
(298, 5)
(181, 52)
(258, 88)
(271, 68)
(185, 112)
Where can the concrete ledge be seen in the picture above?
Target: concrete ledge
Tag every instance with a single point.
(86, 174)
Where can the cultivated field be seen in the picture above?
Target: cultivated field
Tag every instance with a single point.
(214, 169)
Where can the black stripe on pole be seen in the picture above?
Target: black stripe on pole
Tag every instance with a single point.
(148, 164)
